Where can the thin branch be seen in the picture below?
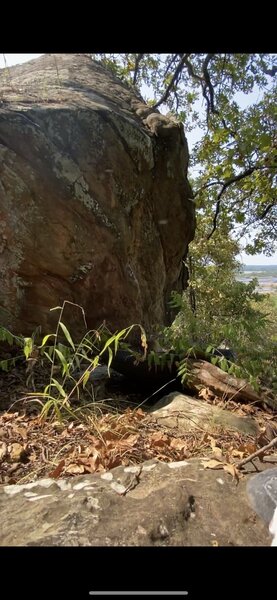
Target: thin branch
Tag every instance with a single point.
(257, 453)
(266, 210)
(226, 185)
(171, 63)
(138, 59)
(190, 69)
(208, 84)
(172, 82)
(207, 185)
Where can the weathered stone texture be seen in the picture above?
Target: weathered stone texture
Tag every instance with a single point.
(94, 200)
(154, 504)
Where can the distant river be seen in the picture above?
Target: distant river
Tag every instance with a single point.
(266, 275)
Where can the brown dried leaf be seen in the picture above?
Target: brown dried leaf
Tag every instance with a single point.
(57, 471)
(159, 439)
(178, 444)
(90, 451)
(238, 453)
(232, 470)
(139, 413)
(206, 394)
(9, 416)
(109, 435)
(65, 434)
(217, 452)
(20, 431)
(131, 440)
(3, 450)
(113, 461)
(249, 448)
(16, 452)
(247, 408)
(212, 441)
(212, 464)
(74, 469)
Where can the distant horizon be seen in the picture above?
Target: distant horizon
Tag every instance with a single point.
(247, 260)
(258, 260)
(268, 267)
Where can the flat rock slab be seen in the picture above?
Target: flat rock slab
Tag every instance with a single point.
(187, 413)
(154, 504)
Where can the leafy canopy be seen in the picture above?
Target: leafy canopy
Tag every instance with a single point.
(235, 160)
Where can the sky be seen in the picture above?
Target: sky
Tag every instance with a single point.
(194, 136)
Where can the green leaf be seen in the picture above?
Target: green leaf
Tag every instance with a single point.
(48, 356)
(28, 346)
(214, 360)
(86, 378)
(110, 359)
(65, 365)
(46, 338)
(67, 335)
(59, 387)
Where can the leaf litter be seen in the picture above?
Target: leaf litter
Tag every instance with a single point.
(31, 448)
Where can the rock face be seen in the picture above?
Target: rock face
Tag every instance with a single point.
(187, 413)
(193, 506)
(95, 206)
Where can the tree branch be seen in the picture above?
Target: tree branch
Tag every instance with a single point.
(171, 63)
(207, 185)
(137, 61)
(226, 185)
(173, 80)
(266, 210)
(208, 85)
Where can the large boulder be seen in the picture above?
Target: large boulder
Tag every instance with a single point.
(95, 205)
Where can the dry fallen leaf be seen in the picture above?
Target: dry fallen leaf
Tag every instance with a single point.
(212, 441)
(74, 469)
(178, 444)
(113, 461)
(57, 471)
(140, 413)
(159, 439)
(245, 449)
(238, 453)
(3, 450)
(16, 452)
(20, 431)
(212, 464)
(217, 452)
(232, 470)
(206, 394)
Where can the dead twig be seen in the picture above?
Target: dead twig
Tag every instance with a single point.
(257, 453)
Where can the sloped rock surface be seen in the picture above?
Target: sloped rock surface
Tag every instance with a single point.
(94, 200)
(154, 504)
(187, 413)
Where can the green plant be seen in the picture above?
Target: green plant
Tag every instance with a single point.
(71, 363)
(18, 345)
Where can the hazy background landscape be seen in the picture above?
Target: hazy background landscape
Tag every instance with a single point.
(266, 274)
